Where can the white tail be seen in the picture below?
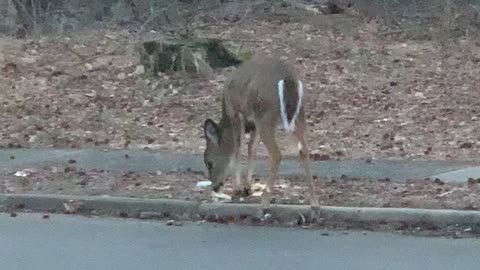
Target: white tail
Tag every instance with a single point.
(289, 126)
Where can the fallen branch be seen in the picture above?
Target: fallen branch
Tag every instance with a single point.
(95, 57)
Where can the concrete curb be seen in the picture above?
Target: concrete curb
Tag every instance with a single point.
(226, 212)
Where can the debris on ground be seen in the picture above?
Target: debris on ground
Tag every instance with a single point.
(202, 184)
(342, 191)
(173, 222)
(72, 206)
(25, 172)
(257, 189)
(222, 197)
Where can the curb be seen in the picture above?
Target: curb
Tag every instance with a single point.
(230, 212)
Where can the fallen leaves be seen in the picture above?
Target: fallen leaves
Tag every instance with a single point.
(159, 188)
(258, 189)
(72, 206)
(358, 89)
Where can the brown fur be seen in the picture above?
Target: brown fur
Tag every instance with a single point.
(251, 103)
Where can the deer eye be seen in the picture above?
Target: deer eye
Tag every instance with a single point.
(209, 165)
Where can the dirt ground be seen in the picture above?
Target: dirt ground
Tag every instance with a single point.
(368, 94)
(427, 193)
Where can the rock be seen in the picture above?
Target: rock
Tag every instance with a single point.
(33, 139)
(139, 70)
(419, 95)
(466, 145)
(438, 182)
(28, 60)
(121, 76)
(218, 56)
(369, 160)
(473, 181)
(192, 57)
(266, 217)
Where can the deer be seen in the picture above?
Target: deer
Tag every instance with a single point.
(260, 94)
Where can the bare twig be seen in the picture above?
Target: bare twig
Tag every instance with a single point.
(153, 14)
(25, 10)
(68, 48)
(96, 56)
(84, 58)
(308, 8)
(392, 32)
(34, 15)
(238, 40)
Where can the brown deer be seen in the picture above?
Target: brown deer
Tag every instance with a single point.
(261, 94)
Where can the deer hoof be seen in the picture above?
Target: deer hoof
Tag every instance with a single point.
(245, 192)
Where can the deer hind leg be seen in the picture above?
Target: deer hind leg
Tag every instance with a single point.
(267, 135)
(303, 152)
(251, 158)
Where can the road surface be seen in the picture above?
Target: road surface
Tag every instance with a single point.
(149, 161)
(78, 243)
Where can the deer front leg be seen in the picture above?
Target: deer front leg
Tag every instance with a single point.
(239, 133)
(267, 135)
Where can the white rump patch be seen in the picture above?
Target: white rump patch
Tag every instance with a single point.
(289, 126)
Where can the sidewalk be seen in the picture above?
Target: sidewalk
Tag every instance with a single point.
(149, 161)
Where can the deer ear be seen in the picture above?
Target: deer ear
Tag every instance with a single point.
(211, 131)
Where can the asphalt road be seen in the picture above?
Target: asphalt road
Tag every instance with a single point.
(150, 161)
(77, 243)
